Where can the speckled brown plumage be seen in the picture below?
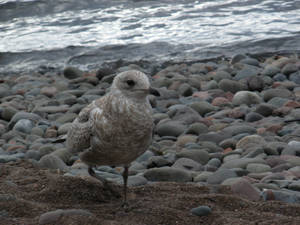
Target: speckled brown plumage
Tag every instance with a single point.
(117, 128)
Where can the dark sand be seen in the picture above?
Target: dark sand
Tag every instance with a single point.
(30, 192)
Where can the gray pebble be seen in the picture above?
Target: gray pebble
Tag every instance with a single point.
(201, 210)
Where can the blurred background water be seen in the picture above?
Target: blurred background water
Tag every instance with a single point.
(87, 33)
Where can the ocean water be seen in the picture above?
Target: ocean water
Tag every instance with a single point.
(56, 33)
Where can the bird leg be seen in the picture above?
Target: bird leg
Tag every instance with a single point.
(125, 178)
(107, 184)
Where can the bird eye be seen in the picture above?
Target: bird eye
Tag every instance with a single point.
(130, 83)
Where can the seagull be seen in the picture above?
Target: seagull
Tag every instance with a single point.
(116, 128)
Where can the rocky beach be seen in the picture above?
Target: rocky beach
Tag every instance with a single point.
(226, 146)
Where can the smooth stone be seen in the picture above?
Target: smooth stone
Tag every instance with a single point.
(256, 83)
(167, 174)
(158, 161)
(295, 186)
(276, 92)
(32, 154)
(201, 210)
(187, 164)
(246, 97)
(258, 168)
(231, 86)
(246, 72)
(265, 109)
(185, 139)
(263, 186)
(23, 115)
(245, 189)
(220, 175)
(197, 128)
(270, 70)
(289, 68)
(228, 143)
(293, 160)
(52, 162)
(64, 154)
(280, 77)
(228, 158)
(295, 77)
(203, 176)
(202, 107)
(72, 73)
(241, 163)
(52, 109)
(214, 162)
(250, 61)
(53, 217)
(199, 155)
(10, 158)
(185, 90)
(215, 137)
(239, 129)
(170, 128)
(237, 58)
(145, 156)
(281, 195)
(281, 168)
(221, 74)
(295, 144)
(278, 102)
(253, 116)
(134, 181)
(184, 114)
(66, 118)
(7, 113)
(231, 181)
(274, 147)
(210, 85)
(24, 126)
(37, 131)
(251, 141)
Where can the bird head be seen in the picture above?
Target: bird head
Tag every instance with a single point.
(133, 84)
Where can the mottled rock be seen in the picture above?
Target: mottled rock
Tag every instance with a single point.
(24, 126)
(167, 174)
(246, 97)
(245, 189)
(52, 162)
(201, 210)
(220, 175)
(231, 86)
(187, 164)
(72, 73)
(276, 92)
(199, 155)
(251, 141)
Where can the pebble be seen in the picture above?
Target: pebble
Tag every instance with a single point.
(167, 174)
(202, 210)
(199, 155)
(221, 175)
(53, 217)
(52, 162)
(246, 97)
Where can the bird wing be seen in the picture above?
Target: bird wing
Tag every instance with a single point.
(81, 130)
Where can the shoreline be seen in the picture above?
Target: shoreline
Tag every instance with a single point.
(221, 133)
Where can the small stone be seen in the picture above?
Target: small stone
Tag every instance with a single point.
(246, 72)
(203, 176)
(52, 162)
(270, 70)
(231, 86)
(8, 112)
(251, 141)
(289, 68)
(167, 174)
(187, 164)
(255, 83)
(170, 128)
(53, 217)
(245, 189)
(49, 91)
(220, 175)
(24, 126)
(197, 128)
(253, 116)
(72, 73)
(258, 168)
(241, 163)
(185, 90)
(199, 155)
(265, 109)
(201, 210)
(246, 97)
(276, 92)
(202, 107)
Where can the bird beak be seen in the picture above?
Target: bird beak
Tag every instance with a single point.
(153, 91)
